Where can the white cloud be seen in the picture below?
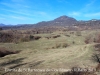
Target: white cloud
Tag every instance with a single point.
(32, 14)
(22, 6)
(3, 15)
(20, 17)
(91, 3)
(74, 14)
(84, 12)
(15, 5)
(92, 14)
(6, 4)
(18, 12)
(42, 13)
(88, 6)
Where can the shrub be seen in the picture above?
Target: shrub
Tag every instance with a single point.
(61, 45)
(13, 36)
(64, 45)
(73, 42)
(31, 37)
(67, 35)
(88, 39)
(98, 39)
(78, 33)
(4, 52)
(98, 67)
(58, 45)
(56, 36)
(37, 37)
(6, 37)
(97, 46)
(25, 39)
(48, 37)
(96, 58)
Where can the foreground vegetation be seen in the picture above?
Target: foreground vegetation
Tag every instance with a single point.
(57, 50)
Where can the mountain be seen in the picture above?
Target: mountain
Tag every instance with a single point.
(65, 19)
(1, 25)
(60, 21)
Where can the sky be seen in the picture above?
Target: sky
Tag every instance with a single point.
(34, 11)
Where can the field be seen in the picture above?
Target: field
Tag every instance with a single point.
(53, 51)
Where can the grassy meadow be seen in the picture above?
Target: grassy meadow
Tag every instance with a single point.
(69, 49)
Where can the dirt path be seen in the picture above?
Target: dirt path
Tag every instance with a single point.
(84, 51)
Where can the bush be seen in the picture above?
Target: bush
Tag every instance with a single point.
(16, 37)
(73, 42)
(88, 39)
(25, 39)
(6, 37)
(56, 36)
(4, 52)
(64, 45)
(58, 45)
(98, 39)
(97, 46)
(61, 45)
(67, 35)
(78, 33)
(37, 37)
(31, 37)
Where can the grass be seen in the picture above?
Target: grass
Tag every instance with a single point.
(65, 54)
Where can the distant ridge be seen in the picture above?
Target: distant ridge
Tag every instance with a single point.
(60, 21)
(1, 25)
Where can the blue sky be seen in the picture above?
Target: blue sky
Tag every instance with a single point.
(33, 11)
